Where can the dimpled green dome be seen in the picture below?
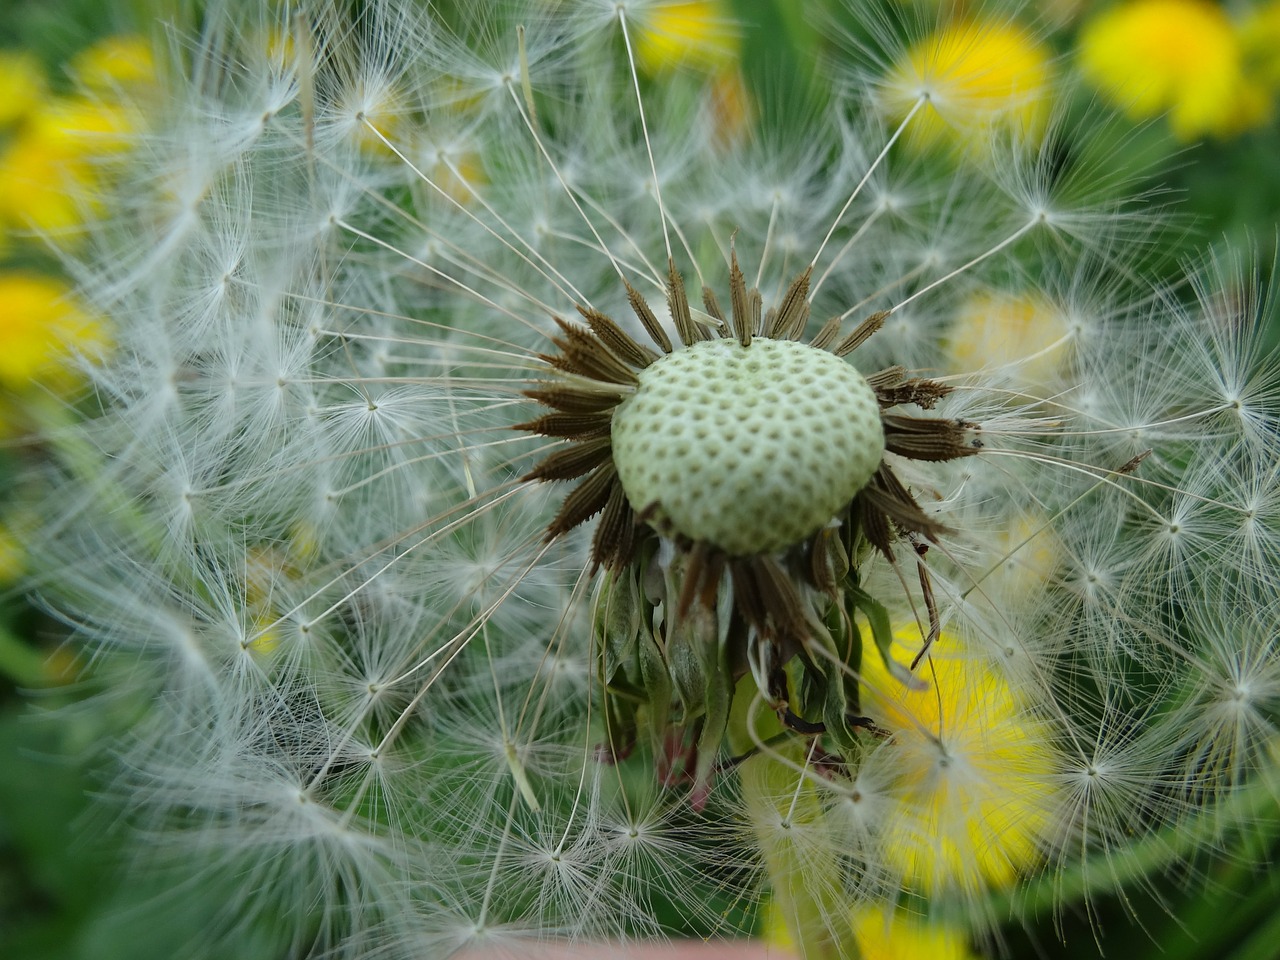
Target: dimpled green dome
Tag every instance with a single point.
(751, 449)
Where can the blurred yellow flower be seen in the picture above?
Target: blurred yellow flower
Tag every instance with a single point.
(977, 78)
(113, 62)
(458, 177)
(263, 567)
(1183, 57)
(896, 935)
(970, 768)
(1021, 334)
(1032, 555)
(696, 34)
(52, 166)
(49, 171)
(883, 935)
(22, 85)
(1260, 38)
(44, 326)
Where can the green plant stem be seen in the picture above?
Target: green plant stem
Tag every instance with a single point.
(804, 873)
(1262, 945)
(21, 662)
(1255, 806)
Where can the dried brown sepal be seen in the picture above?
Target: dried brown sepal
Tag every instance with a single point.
(929, 439)
(828, 560)
(823, 339)
(923, 393)
(746, 599)
(572, 461)
(743, 325)
(678, 303)
(755, 304)
(702, 573)
(585, 500)
(614, 541)
(570, 426)
(886, 494)
(886, 379)
(573, 399)
(874, 524)
(617, 339)
(644, 313)
(583, 354)
(752, 586)
(784, 618)
(712, 305)
(770, 323)
(861, 333)
(793, 312)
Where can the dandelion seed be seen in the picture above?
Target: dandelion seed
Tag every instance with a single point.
(977, 79)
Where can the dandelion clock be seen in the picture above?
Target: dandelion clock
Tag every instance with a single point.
(552, 487)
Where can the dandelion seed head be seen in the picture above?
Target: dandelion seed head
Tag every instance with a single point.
(700, 418)
(353, 527)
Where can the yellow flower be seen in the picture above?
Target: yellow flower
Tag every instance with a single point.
(895, 935)
(1021, 334)
(1183, 57)
(113, 62)
(21, 85)
(50, 170)
(883, 935)
(977, 79)
(43, 326)
(696, 34)
(1032, 556)
(1260, 39)
(971, 769)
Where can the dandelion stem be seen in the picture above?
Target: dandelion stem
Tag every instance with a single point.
(804, 872)
(1110, 870)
